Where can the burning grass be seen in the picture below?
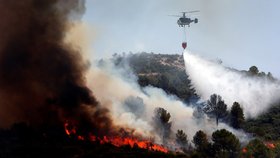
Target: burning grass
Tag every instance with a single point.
(47, 141)
(117, 141)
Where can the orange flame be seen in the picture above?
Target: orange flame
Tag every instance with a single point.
(244, 150)
(144, 144)
(81, 138)
(69, 130)
(270, 145)
(117, 141)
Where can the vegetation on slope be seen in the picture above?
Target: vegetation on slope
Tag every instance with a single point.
(266, 125)
(168, 72)
(160, 70)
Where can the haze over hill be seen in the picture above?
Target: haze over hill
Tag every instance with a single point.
(168, 72)
(159, 70)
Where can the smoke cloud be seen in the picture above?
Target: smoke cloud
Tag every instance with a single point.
(41, 75)
(132, 106)
(255, 94)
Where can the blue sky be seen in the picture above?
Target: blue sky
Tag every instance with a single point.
(241, 33)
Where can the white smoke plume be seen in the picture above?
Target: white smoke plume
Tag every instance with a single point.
(132, 106)
(121, 93)
(255, 94)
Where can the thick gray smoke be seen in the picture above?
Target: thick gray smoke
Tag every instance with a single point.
(134, 105)
(255, 94)
(41, 71)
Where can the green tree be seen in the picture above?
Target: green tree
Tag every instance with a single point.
(236, 116)
(216, 106)
(270, 76)
(253, 70)
(200, 140)
(181, 138)
(203, 147)
(262, 74)
(162, 123)
(225, 143)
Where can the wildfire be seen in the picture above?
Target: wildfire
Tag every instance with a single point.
(69, 130)
(244, 150)
(270, 145)
(144, 144)
(267, 144)
(117, 140)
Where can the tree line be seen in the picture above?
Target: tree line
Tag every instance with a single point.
(222, 143)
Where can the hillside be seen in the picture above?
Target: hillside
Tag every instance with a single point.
(160, 70)
(266, 125)
(168, 72)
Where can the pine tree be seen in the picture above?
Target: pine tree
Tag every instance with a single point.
(225, 143)
(203, 147)
(162, 123)
(200, 140)
(181, 138)
(253, 70)
(216, 106)
(236, 116)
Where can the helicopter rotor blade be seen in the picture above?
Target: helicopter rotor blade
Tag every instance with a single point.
(194, 11)
(175, 15)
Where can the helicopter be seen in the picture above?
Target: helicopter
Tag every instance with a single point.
(184, 20)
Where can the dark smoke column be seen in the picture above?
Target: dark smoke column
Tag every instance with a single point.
(41, 77)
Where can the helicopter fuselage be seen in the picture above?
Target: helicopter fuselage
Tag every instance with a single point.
(183, 21)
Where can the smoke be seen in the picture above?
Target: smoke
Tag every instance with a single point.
(41, 75)
(45, 79)
(132, 106)
(255, 94)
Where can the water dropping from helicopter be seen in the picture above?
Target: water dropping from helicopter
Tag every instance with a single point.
(184, 21)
